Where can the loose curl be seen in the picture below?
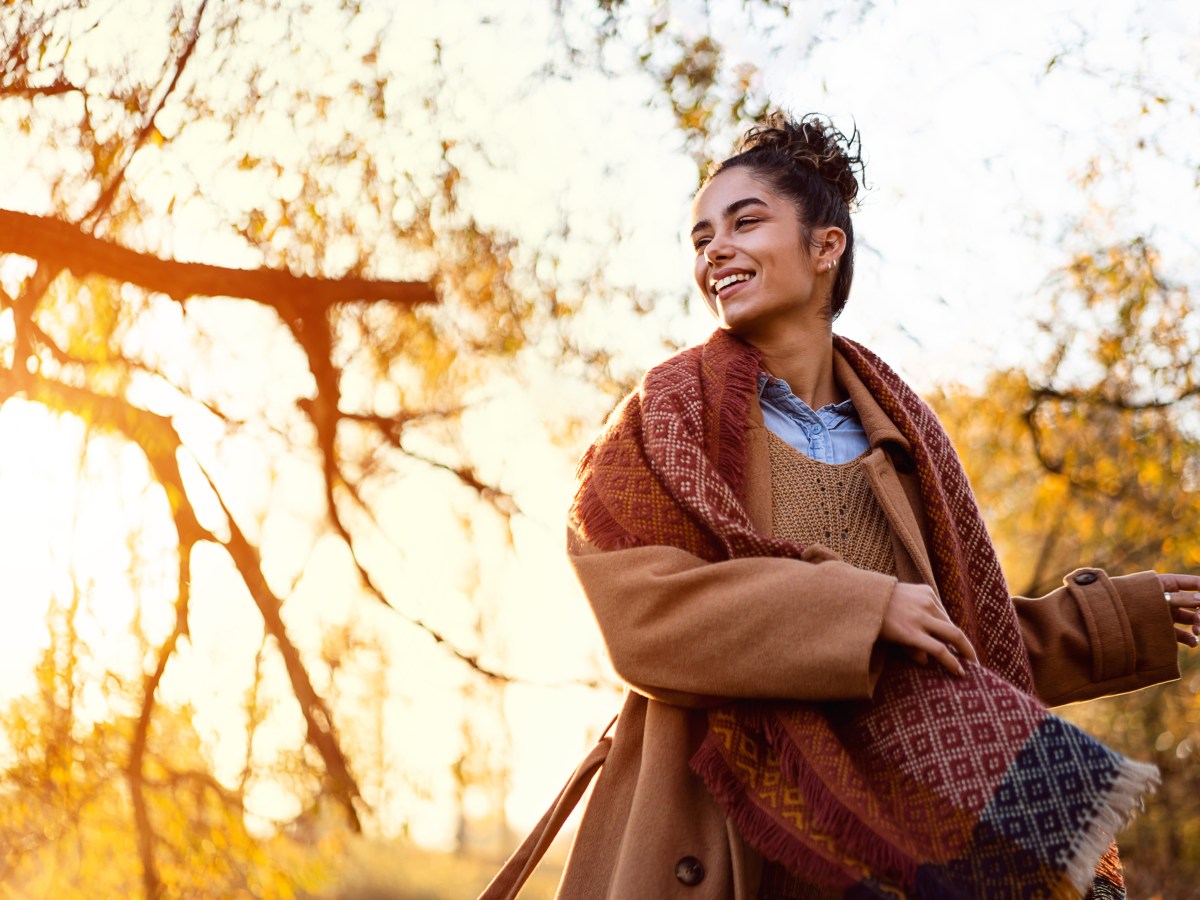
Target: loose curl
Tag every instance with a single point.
(813, 164)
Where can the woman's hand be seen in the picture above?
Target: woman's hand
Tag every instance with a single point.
(916, 621)
(1183, 596)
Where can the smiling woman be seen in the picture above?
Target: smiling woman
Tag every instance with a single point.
(832, 691)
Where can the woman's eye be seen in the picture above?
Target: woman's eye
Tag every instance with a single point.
(700, 244)
(745, 220)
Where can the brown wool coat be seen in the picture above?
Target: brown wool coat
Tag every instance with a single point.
(686, 634)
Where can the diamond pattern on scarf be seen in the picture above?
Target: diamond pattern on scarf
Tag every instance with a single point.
(956, 736)
(1059, 782)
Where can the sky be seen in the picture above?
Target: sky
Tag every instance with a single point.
(978, 122)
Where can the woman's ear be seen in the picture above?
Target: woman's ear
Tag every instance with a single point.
(829, 244)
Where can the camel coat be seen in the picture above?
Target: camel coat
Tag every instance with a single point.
(686, 634)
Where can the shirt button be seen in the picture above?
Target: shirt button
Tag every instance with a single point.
(814, 429)
(689, 871)
(1086, 578)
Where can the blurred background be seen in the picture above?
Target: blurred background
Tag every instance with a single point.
(308, 308)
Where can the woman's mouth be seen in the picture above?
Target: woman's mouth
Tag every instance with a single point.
(723, 286)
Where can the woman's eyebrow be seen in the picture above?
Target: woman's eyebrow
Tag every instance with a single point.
(735, 206)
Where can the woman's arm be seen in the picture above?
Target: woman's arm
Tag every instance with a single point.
(1099, 635)
(694, 633)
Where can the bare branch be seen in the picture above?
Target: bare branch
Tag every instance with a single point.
(1094, 398)
(151, 881)
(27, 91)
(158, 440)
(377, 592)
(64, 246)
(317, 716)
(393, 427)
(104, 201)
(470, 659)
(503, 502)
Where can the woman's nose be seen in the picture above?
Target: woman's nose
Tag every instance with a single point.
(717, 249)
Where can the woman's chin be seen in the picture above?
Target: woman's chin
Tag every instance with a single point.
(742, 326)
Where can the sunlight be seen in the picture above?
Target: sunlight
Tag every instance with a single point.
(539, 176)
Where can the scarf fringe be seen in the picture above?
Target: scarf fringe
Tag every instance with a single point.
(740, 388)
(589, 512)
(1125, 800)
(864, 849)
(830, 816)
(602, 529)
(759, 829)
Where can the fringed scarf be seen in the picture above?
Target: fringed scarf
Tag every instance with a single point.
(938, 787)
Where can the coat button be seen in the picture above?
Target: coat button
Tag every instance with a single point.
(689, 871)
(1085, 578)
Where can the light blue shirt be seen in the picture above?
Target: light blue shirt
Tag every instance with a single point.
(831, 434)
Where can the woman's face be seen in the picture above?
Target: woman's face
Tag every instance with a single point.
(754, 267)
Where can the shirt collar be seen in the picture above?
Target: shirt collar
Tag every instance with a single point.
(876, 423)
(771, 387)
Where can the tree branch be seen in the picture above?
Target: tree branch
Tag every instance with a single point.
(63, 245)
(317, 717)
(1097, 399)
(155, 435)
(377, 592)
(151, 881)
(100, 207)
(53, 89)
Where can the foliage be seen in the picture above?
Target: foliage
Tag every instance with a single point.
(310, 153)
(1091, 459)
(320, 147)
(66, 816)
(711, 82)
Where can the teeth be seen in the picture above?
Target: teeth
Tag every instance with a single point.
(731, 279)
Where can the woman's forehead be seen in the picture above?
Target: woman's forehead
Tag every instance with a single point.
(728, 187)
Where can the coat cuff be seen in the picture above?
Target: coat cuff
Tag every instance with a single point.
(1130, 629)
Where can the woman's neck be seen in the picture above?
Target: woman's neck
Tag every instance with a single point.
(804, 359)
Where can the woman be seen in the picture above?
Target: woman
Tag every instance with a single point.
(831, 687)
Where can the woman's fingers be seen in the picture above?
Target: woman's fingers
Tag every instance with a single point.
(942, 653)
(917, 656)
(916, 621)
(941, 640)
(1185, 607)
(1171, 583)
(1183, 599)
(949, 633)
(1186, 615)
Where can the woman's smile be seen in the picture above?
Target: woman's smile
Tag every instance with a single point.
(724, 282)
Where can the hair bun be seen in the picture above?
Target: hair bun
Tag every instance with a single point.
(812, 143)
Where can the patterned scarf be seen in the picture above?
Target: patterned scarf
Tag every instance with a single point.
(937, 787)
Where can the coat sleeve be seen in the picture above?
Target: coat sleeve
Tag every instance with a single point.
(693, 633)
(1098, 635)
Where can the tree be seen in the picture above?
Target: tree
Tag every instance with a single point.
(247, 246)
(1090, 458)
(712, 83)
(379, 301)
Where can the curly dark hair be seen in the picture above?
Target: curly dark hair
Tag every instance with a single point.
(814, 165)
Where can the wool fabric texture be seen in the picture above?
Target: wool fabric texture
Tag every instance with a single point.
(939, 786)
(831, 504)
